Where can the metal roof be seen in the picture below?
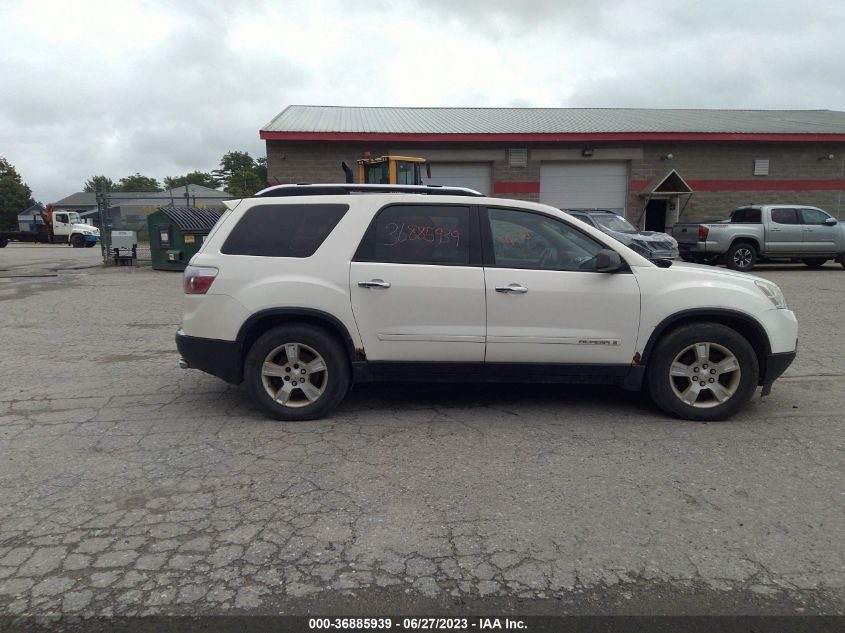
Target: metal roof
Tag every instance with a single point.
(191, 218)
(365, 120)
(85, 198)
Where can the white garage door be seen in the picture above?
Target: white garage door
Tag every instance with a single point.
(473, 175)
(584, 185)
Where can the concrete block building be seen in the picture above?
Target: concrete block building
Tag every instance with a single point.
(653, 166)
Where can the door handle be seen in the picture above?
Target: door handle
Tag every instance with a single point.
(775, 230)
(513, 289)
(374, 283)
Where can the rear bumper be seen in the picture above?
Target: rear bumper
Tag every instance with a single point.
(223, 359)
(685, 248)
(776, 364)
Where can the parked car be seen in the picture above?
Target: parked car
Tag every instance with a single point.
(650, 244)
(762, 233)
(303, 290)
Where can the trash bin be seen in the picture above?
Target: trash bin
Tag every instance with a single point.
(176, 233)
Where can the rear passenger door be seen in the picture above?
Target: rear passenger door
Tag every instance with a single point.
(785, 233)
(417, 285)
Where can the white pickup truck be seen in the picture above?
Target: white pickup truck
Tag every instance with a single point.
(760, 233)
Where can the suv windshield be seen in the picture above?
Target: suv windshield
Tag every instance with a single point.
(614, 223)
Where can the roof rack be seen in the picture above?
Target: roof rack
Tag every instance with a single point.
(306, 189)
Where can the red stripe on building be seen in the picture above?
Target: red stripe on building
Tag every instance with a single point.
(546, 138)
(754, 185)
(531, 186)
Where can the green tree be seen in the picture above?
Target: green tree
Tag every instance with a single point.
(244, 183)
(261, 168)
(237, 161)
(138, 183)
(15, 196)
(234, 164)
(96, 183)
(193, 178)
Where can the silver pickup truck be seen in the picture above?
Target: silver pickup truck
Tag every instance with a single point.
(764, 232)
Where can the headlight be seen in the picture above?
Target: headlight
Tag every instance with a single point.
(86, 233)
(772, 292)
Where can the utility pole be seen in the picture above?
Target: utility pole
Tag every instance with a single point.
(105, 229)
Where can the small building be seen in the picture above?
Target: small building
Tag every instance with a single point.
(177, 233)
(129, 209)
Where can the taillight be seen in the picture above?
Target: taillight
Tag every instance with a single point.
(703, 232)
(198, 279)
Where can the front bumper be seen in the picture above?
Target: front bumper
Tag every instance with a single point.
(223, 359)
(776, 364)
(92, 238)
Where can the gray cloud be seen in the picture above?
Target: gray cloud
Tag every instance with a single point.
(175, 85)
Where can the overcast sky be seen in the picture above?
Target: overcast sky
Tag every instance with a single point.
(163, 88)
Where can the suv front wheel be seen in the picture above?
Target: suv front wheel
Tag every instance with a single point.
(297, 372)
(703, 371)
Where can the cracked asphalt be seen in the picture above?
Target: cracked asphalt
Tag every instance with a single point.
(131, 487)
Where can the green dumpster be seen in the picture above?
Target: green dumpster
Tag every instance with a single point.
(176, 233)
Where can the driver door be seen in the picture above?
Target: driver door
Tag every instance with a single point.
(545, 301)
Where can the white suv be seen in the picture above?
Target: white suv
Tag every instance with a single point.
(303, 290)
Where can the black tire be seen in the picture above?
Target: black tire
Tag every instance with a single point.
(3, 242)
(741, 256)
(89, 244)
(667, 390)
(333, 382)
(842, 260)
(77, 240)
(687, 258)
(814, 262)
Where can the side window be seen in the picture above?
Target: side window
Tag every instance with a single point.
(61, 217)
(746, 216)
(785, 216)
(418, 234)
(813, 216)
(529, 240)
(283, 230)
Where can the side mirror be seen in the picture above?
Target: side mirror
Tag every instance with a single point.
(830, 221)
(608, 261)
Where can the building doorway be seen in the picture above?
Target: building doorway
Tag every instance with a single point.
(655, 214)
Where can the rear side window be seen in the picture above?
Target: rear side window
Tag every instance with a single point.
(283, 230)
(746, 216)
(418, 234)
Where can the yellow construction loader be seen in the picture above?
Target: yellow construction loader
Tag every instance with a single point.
(389, 170)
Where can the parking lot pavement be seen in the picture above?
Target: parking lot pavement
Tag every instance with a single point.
(129, 486)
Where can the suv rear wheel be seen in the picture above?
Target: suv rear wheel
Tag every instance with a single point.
(297, 372)
(703, 371)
